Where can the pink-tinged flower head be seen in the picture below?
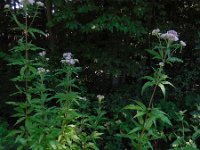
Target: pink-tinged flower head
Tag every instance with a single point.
(170, 36)
(173, 32)
(67, 55)
(163, 36)
(68, 59)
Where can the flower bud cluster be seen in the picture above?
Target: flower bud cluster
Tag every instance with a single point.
(161, 64)
(155, 32)
(68, 59)
(171, 36)
(6, 6)
(100, 97)
(182, 43)
(31, 2)
(42, 70)
(42, 54)
(40, 4)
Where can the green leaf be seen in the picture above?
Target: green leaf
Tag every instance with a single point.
(174, 59)
(21, 26)
(32, 32)
(148, 78)
(146, 85)
(149, 122)
(135, 130)
(162, 87)
(20, 120)
(141, 105)
(154, 53)
(53, 144)
(132, 107)
(165, 119)
(139, 113)
(96, 135)
(167, 83)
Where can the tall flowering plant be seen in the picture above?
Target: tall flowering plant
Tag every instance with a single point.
(146, 118)
(31, 108)
(47, 118)
(74, 132)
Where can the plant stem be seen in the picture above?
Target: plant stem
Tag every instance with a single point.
(26, 65)
(66, 104)
(34, 16)
(152, 96)
(183, 132)
(146, 116)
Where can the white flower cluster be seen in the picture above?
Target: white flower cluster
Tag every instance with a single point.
(68, 59)
(100, 97)
(190, 142)
(31, 2)
(42, 70)
(171, 35)
(155, 31)
(42, 54)
(161, 64)
(40, 4)
(7, 6)
(182, 43)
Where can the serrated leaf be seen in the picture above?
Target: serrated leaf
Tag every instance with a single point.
(139, 114)
(174, 59)
(132, 107)
(134, 130)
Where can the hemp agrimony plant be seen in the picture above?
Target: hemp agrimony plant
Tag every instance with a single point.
(66, 98)
(30, 108)
(74, 130)
(147, 118)
(46, 118)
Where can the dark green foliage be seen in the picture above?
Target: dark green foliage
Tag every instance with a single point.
(5, 141)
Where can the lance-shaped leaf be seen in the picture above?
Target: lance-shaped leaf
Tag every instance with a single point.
(146, 85)
(162, 87)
